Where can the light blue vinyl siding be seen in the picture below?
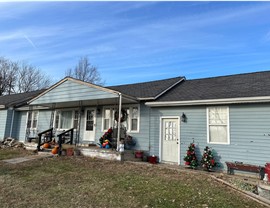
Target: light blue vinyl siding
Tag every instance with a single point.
(8, 123)
(3, 117)
(19, 125)
(73, 91)
(249, 133)
(5, 124)
(142, 137)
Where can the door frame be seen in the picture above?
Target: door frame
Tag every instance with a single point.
(94, 125)
(161, 135)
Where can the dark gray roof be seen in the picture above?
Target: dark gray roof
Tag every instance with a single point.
(146, 90)
(17, 100)
(233, 86)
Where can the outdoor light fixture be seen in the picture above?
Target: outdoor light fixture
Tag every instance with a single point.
(184, 117)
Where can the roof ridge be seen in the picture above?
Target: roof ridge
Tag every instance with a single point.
(230, 75)
(179, 77)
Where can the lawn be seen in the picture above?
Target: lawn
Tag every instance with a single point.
(9, 153)
(86, 182)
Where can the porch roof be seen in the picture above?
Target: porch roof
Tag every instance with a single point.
(71, 92)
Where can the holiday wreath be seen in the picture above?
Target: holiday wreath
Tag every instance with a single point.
(124, 115)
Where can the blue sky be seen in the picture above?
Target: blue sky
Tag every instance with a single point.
(138, 41)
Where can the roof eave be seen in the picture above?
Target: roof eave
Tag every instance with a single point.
(210, 101)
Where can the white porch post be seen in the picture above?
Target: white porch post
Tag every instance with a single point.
(119, 119)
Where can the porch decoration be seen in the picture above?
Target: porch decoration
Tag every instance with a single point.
(124, 115)
(55, 150)
(106, 139)
(190, 158)
(208, 161)
(46, 145)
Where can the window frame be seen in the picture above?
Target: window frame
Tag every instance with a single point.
(59, 120)
(111, 119)
(227, 125)
(32, 119)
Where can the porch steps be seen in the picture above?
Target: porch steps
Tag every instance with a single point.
(30, 146)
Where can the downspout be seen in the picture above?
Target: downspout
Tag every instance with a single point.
(12, 120)
(119, 118)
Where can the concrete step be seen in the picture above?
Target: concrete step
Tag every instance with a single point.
(30, 145)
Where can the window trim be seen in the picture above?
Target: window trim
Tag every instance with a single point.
(32, 116)
(227, 124)
(59, 120)
(112, 108)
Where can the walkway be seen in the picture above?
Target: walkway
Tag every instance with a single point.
(27, 158)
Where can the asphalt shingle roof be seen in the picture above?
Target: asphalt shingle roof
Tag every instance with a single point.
(18, 99)
(146, 89)
(233, 86)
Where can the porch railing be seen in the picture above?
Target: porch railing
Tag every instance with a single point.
(47, 138)
(62, 139)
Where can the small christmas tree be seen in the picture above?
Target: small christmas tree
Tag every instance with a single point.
(191, 158)
(208, 161)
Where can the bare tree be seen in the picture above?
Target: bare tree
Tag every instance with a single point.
(31, 78)
(85, 71)
(20, 77)
(7, 76)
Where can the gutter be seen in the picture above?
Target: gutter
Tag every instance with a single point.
(210, 101)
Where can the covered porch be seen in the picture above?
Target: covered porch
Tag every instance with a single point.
(76, 107)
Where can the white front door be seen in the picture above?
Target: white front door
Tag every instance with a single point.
(90, 124)
(170, 140)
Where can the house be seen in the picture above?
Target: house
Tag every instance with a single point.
(230, 114)
(11, 116)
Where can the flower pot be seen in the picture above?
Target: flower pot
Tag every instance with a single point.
(139, 154)
(152, 159)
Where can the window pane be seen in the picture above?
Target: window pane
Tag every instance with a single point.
(218, 115)
(134, 112)
(29, 120)
(66, 118)
(107, 117)
(56, 124)
(126, 123)
(134, 124)
(35, 116)
(218, 134)
(75, 121)
(90, 120)
(107, 113)
(106, 124)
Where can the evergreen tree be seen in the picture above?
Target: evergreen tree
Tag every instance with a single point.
(191, 158)
(208, 161)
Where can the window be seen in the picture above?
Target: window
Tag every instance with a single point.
(107, 117)
(76, 119)
(218, 125)
(66, 119)
(32, 119)
(131, 124)
(134, 119)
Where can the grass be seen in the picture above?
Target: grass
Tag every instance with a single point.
(9, 153)
(86, 182)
